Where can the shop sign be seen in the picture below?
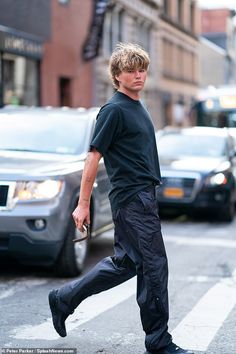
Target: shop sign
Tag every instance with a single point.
(16, 44)
(91, 45)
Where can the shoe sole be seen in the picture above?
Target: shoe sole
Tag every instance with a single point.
(52, 299)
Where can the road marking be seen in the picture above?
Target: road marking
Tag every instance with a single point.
(6, 293)
(89, 308)
(19, 285)
(197, 330)
(203, 241)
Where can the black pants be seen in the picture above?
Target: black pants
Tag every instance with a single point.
(139, 250)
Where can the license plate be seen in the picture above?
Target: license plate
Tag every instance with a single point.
(173, 192)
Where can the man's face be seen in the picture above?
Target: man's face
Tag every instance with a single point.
(132, 79)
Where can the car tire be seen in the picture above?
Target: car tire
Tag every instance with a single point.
(227, 213)
(71, 260)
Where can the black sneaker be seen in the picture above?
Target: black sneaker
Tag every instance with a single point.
(172, 348)
(58, 316)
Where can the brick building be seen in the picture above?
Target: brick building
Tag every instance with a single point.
(214, 25)
(219, 27)
(41, 52)
(66, 79)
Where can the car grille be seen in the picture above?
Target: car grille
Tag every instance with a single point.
(178, 188)
(3, 195)
(7, 190)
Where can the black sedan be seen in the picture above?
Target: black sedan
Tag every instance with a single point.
(42, 153)
(198, 168)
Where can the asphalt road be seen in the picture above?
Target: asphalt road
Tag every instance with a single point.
(202, 291)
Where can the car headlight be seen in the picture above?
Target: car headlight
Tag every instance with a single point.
(32, 190)
(216, 180)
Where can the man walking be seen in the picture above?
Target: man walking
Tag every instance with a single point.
(124, 135)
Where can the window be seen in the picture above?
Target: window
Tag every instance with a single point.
(117, 27)
(107, 34)
(168, 62)
(143, 34)
(180, 11)
(180, 62)
(112, 30)
(166, 7)
(20, 80)
(120, 25)
(192, 16)
(193, 76)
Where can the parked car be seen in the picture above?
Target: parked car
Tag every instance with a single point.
(198, 168)
(42, 153)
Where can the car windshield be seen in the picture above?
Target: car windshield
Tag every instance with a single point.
(43, 132)
(171, 145)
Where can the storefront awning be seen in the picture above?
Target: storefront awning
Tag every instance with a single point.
(20, 43)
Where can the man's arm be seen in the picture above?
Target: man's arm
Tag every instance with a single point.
(81, 214)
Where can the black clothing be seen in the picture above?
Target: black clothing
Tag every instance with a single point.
(139, 250)
(58, 315)
(125, 136)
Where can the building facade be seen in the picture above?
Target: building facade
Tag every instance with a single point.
(211, 57)
(65, 75)
(66, 78)
(24, 26)
(219, 27)
(168, 30)
(178, 49)
(129, 21)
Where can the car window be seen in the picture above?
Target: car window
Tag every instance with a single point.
(51, 133)
(191, 145)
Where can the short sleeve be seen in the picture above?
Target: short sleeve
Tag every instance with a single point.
(107, 128)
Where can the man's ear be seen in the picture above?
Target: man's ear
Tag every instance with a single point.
(117, 77)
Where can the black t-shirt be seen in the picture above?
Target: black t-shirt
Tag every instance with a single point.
(125, 136)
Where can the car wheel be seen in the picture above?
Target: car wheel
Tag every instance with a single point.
(73, 255)
(227, 213)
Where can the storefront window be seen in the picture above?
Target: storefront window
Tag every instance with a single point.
(20, 80)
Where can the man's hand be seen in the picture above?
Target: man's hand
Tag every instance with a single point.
(81, 216)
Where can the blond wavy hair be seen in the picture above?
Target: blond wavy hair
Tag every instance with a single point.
(127, 56)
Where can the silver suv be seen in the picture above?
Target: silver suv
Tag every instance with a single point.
(42, 153)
